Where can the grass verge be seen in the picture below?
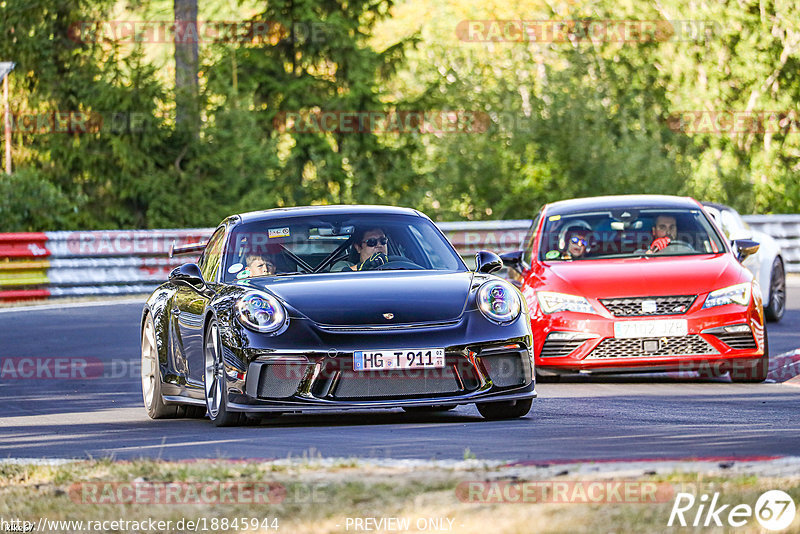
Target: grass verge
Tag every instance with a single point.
(347, 496)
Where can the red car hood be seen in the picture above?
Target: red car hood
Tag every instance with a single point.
(643, 276)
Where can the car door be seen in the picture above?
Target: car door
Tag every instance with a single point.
(188, 308)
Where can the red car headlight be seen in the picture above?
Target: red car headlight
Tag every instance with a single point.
(736, 294)
(551, 302)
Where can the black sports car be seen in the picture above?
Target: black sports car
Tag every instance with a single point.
(330, 308)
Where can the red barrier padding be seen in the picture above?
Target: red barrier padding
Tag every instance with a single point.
(24, 294)
(23, 245)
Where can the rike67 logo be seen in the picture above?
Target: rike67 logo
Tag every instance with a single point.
(774, 510)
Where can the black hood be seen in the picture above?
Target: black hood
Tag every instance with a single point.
(363, 298)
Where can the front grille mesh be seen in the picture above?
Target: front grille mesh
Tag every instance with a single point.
(632, 307)
(667, 346)
(554, 348)
(280, 380)
(505, 369)
(738, 341)
(383, 384)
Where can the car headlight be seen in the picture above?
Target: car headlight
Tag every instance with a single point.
(551, 302)
(738, 294)
(260, 312)
(499, 301)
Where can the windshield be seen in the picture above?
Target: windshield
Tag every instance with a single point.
(337, 243)
(623, 233)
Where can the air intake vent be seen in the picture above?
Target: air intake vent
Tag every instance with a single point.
(648, 306)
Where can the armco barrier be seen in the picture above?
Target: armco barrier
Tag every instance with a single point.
(57, 264)
(38, 265)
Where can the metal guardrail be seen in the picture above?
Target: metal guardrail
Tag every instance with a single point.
(786, 231)
(57, 264)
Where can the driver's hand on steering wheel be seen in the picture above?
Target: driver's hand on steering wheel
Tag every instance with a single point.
(660, 244)
(373, 262)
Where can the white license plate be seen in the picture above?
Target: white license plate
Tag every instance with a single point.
(371, 360)
(655, 328)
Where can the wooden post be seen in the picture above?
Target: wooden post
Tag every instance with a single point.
(7, 120)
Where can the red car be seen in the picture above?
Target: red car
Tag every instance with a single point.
(640, 283)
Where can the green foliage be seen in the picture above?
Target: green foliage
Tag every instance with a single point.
(28, 202)
(152, 174)
(556, 120)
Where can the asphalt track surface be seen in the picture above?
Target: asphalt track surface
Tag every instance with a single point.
(582, 418)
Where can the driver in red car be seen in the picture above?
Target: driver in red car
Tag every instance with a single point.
(665, 229)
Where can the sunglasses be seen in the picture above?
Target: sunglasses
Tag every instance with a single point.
(373, 241)
(577, 240)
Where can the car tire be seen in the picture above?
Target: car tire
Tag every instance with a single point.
(755, 372)
(427, 409)
(215, 381)
(495, 411)
(776, 306)
(151, 375)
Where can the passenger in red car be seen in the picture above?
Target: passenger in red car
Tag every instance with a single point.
(665, 229)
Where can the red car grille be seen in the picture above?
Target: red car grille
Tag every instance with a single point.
(644, 306)
(636, 347)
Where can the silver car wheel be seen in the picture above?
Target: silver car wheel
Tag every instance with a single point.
(214, 378)
(149, 363)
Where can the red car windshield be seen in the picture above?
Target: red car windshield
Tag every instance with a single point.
(624, 233)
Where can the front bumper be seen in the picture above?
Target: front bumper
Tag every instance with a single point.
(287, 381)
(593, 347)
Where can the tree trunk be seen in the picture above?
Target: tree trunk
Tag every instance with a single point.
(186, 65)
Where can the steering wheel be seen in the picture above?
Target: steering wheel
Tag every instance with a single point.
(398, 262)
(679, 243)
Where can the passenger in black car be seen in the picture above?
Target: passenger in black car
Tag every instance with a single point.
(258, 266)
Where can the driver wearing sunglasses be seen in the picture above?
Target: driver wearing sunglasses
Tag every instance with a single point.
(372, 250)
(576, 243)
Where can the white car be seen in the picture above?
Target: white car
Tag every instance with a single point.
(766, 264)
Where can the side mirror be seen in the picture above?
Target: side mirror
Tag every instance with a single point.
(514, 261)
(487, 262)
(745, 248)
(189, 275)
